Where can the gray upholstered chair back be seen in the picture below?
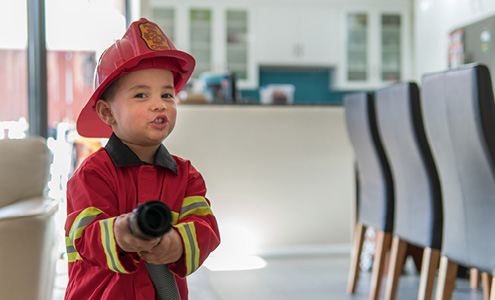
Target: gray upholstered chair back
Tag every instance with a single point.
(374, 179)
(418, 202)
(459, 118)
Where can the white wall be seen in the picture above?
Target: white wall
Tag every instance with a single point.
(277, 176)
(434, 19)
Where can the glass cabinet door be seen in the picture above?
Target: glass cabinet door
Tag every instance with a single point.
(200, 21)
(376, 49)
(390, 47)
(165, 18)
(237, 43)
(357, 47)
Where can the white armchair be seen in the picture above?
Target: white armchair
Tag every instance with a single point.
(28, 239)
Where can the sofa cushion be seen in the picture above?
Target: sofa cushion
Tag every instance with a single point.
(32, 207)
(24, 169)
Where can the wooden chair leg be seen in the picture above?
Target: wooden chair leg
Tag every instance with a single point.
(474, 278)
(492, 295)
(487, 280)
(431, 258)
(446, 279)
(356, 257)
(383, 240)
(397, 258)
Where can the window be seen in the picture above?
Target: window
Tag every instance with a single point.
(13, 69)
(77, 33)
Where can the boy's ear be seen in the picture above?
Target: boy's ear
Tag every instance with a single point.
(104, 111)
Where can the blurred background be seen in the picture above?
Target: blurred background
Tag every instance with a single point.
(262, 116)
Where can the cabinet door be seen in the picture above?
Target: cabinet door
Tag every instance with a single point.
(299, 34)
(275, 30)
(237, 46)
(376, 46)
(234, 51)
(390, 58)
(165, 18)
(357, 47)
(200, 39)
(358, 64)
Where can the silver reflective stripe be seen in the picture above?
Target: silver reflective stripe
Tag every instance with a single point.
(70, 249)
(192, 206)
(108, 244)
(83, 222)
(192, 243)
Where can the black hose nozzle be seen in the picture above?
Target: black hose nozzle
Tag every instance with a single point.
(150, 220)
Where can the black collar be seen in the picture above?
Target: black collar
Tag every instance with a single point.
(122, 155)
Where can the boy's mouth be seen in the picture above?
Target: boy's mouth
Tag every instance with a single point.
(160, 119)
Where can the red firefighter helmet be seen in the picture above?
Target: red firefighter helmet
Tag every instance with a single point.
(143, 46)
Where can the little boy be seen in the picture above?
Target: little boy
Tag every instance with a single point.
(133, 104)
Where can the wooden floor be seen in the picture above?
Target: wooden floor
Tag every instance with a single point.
(309, 277)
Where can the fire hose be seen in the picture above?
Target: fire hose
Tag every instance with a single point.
(148, 221)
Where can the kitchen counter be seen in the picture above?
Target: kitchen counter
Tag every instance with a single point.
(282, 173)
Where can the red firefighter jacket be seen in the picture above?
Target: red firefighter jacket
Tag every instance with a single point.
(111, 182)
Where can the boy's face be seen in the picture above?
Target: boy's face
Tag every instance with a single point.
(142, 108)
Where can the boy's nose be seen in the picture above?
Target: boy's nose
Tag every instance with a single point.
(158, 106)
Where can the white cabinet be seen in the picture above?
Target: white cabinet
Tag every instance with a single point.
(367, 44)
(217, 36)
(376, 47)
(297, 35)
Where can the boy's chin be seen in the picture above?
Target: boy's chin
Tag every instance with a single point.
(143, 140)
(158, 139)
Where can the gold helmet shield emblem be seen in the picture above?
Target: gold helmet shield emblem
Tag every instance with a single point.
(154, 38)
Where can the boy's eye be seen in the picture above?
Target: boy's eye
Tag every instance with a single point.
(168, 96)
(140, 95)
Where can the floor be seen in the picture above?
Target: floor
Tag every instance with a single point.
(314, 277)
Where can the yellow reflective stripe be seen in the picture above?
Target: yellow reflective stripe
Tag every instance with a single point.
(191, 249)
(194, 205)
(72, 254)
(110, 247)
(175, 218)
(81, 221)
(73, 257)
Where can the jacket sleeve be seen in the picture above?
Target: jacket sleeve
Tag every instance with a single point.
(91, 213)
(196, 225)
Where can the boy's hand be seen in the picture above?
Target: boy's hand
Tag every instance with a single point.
(168, 251)
(126, 240)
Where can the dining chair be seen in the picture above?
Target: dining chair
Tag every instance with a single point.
(417, 193)
(374, 187)
(459, 115)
